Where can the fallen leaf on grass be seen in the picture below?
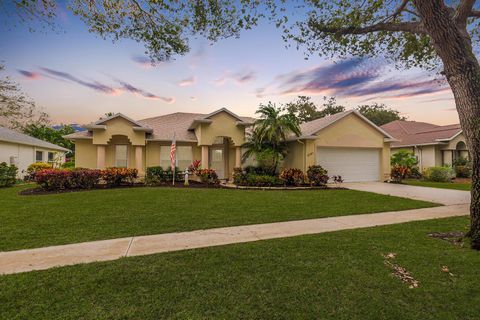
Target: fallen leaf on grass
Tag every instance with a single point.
(446, 270)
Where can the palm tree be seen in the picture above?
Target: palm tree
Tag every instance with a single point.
(270, 132)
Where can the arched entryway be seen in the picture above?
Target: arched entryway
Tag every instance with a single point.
(222, 156)
(461, 151)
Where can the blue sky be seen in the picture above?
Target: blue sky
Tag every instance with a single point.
(77, 76)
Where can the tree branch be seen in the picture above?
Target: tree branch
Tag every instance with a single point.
(412, 27)
(474, 13)
(399, 10)
(463, 11)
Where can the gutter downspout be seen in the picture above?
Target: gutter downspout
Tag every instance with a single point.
(304, 147)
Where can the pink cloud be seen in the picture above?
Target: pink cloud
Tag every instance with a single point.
(30, 74)
(187, 81)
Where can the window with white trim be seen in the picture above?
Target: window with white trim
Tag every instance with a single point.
(121, 156)
(184, 157)
(39, 156)
(51, 157)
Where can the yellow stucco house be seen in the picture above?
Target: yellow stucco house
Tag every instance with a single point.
(345, 144)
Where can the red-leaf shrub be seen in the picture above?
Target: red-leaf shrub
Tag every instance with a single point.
(317, 176)
(292, 176)
(84, 178)
(119, 176)
(208, 176)
(53, 179)
(195, 166)
(398, 173)
(60, 179)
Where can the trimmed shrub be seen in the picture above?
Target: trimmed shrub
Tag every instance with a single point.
(34, 167)
(115, 177)
(84, 178)
(8, 175)
(317, 176)
(463, 171)
(414, 173)
(53, 179)
(155, 176)
(256, 180)
(438, 174)
(260, 170)
(208, 176)
(292, 176)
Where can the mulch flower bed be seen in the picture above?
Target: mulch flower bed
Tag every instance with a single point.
(178, 184)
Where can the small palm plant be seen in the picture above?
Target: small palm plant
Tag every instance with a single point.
(268, 138)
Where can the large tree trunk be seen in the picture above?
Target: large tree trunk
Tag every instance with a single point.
(462, 70)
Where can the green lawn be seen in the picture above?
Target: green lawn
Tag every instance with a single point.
(467, 186)
(36, 221)
(337, 275)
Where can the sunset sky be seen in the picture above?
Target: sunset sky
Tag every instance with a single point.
(77, 76)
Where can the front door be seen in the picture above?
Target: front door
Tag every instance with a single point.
(216, 161)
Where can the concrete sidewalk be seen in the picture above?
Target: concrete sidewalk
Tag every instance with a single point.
(446, 197)
(106, 250)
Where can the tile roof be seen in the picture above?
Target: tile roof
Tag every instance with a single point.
(9, 135)
(164, 126)
(411, 133)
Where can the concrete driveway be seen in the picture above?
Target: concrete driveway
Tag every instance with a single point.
(442, 196)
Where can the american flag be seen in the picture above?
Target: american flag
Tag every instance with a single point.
(173, 149)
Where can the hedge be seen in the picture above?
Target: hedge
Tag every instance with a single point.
(8, 175)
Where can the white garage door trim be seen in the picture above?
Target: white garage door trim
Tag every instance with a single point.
(353, 164)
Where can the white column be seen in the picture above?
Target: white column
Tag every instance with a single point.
(139, 158)
(238, 157)
(100, 157)
(204, 163)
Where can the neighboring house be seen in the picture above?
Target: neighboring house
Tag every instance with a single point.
(433, 145)
(345, 144)
(22, 150)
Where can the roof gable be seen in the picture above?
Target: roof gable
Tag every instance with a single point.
(210, 115)
(311, 128)
(117, 115)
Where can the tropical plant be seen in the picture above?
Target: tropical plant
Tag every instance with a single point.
(317, 176)
(268, 139)
(292, 176)
(398, 173)
(195, 166)
(8, 175)
(403, 158)
(208, 176)
(404, 165)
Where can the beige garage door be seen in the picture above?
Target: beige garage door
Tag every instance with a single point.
(353, 164)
